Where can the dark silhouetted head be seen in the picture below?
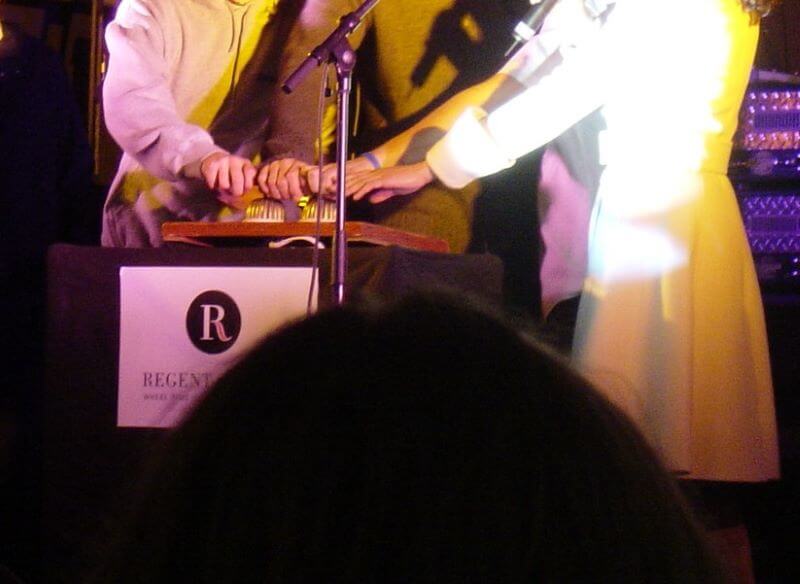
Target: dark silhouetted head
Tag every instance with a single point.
(423, 441)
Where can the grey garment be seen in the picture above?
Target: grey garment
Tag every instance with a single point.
(139, 203)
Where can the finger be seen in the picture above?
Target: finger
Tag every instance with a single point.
(328, 179)
(381, 195)
(223, 182)
(249, 176)
(355, 183)
(278, 178)
(236, 174)
(272, 181)
(209, 172)
(283, 181)
(295, 187)
(365, 189)
(261, 179)
(304, 185)
(328, 186)
(311, 175)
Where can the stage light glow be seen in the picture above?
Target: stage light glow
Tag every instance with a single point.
(662, 134)
(663, 137)
(632, 251)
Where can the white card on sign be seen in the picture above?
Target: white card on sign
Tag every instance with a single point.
(182, 327)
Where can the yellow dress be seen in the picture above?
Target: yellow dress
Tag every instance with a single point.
(671, 323)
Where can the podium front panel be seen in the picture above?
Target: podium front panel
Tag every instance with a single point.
(89, 464)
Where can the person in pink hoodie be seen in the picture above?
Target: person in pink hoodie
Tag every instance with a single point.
(189, 92)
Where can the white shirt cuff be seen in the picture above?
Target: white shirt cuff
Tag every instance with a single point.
(466, 152)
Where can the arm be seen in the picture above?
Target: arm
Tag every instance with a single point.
(568, 21)
(398, 166)
(299, 178)
(141, 113)
(479, 144)
(482, 143)
(410, 146)
(139, 108)
(556, 80)
(549, 85)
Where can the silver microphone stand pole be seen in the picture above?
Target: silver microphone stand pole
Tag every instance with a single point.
(337, 49)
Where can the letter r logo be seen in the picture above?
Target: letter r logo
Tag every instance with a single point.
(213, 322)
(213, 314)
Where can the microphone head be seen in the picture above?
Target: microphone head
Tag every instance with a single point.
(523, 32)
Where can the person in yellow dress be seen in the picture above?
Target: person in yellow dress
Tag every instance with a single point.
(671, 324)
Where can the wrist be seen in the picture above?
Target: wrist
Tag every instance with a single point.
(372, 159)
(214, 154)
(194, 169)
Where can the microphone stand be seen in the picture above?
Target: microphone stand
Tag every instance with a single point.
(530, 24)
(337, 50)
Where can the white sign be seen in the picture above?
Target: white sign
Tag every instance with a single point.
(182, 327)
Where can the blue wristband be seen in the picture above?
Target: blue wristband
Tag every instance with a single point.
(372, 159)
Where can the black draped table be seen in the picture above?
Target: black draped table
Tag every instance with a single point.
(89, 464)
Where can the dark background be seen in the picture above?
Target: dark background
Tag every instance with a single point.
(72, 28)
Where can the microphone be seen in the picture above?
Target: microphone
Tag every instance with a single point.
(531, 23)
(322, 52)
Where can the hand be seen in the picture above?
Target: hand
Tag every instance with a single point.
(284, 179)
(385, 183)
(326, 186)
(228, 174)
(328, 182)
